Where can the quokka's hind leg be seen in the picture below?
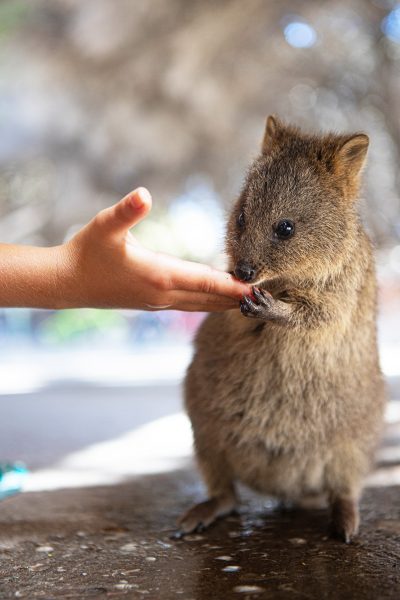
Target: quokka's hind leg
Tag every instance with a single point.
(221, 495)
(344, 477)
(345, 518)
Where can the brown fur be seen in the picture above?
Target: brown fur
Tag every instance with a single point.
(291, 403)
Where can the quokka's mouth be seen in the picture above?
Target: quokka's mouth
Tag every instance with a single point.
(262, 278)
(259, 281)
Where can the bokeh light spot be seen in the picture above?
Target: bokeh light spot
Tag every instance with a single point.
(391, 25)
(300, 34)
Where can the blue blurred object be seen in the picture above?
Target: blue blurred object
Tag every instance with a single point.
(12, 477)
(391, 25)
(300, 34)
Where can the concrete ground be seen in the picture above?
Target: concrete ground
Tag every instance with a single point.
(115, 540)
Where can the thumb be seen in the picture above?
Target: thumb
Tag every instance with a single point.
(129, 211)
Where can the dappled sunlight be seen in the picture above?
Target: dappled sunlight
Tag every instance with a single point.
(160, 446)
(385, 476)
(164, 445)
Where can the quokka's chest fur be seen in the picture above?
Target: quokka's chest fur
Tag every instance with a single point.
(278, 389)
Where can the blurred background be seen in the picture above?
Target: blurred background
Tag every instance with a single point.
(99, 97)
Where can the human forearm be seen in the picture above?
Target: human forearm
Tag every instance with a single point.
(34, 277)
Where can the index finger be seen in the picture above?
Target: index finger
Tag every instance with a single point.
(197, 277)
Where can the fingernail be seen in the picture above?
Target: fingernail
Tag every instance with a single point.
(140, 196)
(136, 199)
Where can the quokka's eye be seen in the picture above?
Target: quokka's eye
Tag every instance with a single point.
(284, 229)
(241, 220)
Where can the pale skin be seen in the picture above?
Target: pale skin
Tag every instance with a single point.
(104, 266)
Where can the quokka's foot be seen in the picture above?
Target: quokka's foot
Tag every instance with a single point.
(345, 519)
(202, 515)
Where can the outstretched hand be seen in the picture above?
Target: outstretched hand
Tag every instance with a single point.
(103, 265)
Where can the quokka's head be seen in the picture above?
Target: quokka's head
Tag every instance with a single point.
(296, 215)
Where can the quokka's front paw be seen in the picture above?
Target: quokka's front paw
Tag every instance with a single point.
(257, 306)
(202, 515)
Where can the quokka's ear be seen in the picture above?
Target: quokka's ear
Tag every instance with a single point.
(272, 128)
(352, 153)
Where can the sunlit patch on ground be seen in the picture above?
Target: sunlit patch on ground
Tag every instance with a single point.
(165, 444)
(162, 445)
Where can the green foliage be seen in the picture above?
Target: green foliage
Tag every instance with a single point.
(12, 14)
(71, 325)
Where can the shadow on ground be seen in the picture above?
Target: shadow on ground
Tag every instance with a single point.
(115, 542)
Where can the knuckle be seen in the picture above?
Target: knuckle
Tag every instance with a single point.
(207, 286)
(162, 283)
(101, 218)
(106, 217)
(120, 211)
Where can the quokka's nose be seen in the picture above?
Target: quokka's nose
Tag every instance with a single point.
(244, 272)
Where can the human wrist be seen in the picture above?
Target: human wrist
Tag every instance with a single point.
(69, 290)
(50, 279)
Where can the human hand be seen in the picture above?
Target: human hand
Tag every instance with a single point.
(104, 266)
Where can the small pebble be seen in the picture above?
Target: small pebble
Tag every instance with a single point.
(234, 534)
(231, 569)
(297, 541)
(36, 566)
(46, 549)
(228, 558)
(248, 589)
(163, 544)
(151, 558)
(131, 547)
(125, 586)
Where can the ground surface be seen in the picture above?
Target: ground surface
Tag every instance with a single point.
(114, 541)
